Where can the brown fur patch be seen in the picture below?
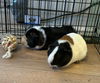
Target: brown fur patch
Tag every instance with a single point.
(65, 37)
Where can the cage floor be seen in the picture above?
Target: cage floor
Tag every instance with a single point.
(29, 66)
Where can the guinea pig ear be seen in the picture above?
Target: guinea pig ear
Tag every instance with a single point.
(67, 37)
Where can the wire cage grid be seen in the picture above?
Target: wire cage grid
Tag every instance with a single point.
(83, 15)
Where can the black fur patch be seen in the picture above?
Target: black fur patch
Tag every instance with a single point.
(63, 55)
(54, 33)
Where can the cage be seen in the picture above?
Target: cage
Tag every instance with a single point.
(17, 15)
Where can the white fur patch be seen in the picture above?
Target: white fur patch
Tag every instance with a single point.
(61, 41)
(51, 56)
(44, 35)
(37, 27)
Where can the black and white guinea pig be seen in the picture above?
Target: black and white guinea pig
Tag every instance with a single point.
(67, 50)
(39, 37)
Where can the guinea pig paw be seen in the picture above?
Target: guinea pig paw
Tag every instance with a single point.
(7, 55)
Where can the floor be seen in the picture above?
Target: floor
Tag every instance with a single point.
(29, 66)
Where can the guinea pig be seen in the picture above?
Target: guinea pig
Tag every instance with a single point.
(39, 37)
(67, 50)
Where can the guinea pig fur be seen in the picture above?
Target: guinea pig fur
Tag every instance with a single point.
(67, 50)
(39, 37)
